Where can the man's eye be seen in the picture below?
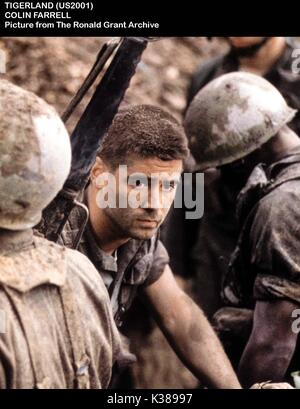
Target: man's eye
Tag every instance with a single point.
(168, 186)
(139, 184)
(137, 181)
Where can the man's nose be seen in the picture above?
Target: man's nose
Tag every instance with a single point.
(154, 197)
(153, 213)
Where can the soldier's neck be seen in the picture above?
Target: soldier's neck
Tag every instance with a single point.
(281, 145)
(284, 145)
(107, 236)
(12, 241)
(265, 58)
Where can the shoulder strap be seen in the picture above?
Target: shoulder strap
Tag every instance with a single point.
(115, 290)
(288, 176)
(76, 333)
(281, 180)
(232, 281)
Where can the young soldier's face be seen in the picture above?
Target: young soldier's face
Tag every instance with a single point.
(144, 192)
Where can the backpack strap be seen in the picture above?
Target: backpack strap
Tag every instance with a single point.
(76, 332)
(232, 286)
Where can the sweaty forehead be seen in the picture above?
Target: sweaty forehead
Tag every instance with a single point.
(152, 165)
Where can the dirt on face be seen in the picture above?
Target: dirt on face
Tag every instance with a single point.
(54, 69)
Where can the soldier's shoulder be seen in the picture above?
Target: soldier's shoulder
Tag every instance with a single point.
(281, 204)
(75, 260)
(78, 260)
(80, 268)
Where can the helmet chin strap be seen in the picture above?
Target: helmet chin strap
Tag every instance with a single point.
(249, 51)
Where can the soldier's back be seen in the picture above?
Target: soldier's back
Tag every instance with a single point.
(59, 331)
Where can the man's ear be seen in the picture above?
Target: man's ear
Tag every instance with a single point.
(98, 168)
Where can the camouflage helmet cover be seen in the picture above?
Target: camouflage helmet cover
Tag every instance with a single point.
(35, 156)
(232, 116)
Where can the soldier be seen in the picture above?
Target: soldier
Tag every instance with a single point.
(239, 121)
(123, 243)
(57, 328)
(204, 247)
(270, 57)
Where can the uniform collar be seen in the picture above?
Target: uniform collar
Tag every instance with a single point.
(12, 241)
(263, 178)
(99, 257)
(104, 261)
(128, 253)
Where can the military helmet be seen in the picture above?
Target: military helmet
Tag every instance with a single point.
(35, 156)
(232, 116)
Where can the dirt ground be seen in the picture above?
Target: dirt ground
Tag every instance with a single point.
(54, 68)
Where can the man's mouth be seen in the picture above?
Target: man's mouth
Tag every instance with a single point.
(148, 223)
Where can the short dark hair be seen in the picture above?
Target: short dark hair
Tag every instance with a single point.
(145, 131)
